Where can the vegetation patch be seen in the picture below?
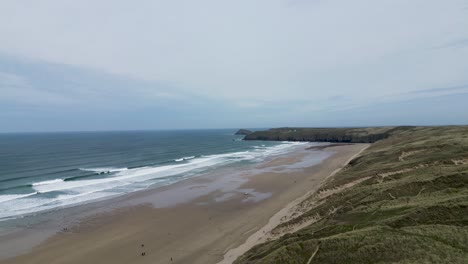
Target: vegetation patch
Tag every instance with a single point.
(404, 200)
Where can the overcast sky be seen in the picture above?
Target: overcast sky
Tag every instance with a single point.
(70, 65)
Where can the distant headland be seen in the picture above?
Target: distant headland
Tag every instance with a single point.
(345, 135)
(243, 132)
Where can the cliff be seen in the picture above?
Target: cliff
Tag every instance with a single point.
(243, 132)
(349, 135)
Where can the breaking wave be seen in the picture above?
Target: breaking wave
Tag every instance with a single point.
(105, 182)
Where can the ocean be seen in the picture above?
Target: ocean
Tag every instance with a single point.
(45, 171)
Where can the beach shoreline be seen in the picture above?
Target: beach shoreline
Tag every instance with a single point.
(196, 220)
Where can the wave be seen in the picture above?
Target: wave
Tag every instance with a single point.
(16, 187)
(184, 158)
(74, 178)
(130, 176)
(103, 170)
(47, 182)
(127, 177)
(59, 192)
(9, 197)
(17, 178)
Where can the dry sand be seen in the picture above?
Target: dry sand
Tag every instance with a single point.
(200, 228)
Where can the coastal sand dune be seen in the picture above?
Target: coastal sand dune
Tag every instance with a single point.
(201, 228)
(290, 211)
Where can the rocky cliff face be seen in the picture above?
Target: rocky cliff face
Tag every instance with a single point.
(243, 132)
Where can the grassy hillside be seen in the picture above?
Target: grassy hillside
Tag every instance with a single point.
(353, 135)
(404, 200)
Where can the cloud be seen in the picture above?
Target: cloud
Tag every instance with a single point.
(459, 43)
(32, 82)
(270, 60)
(453, 89)
(40, 96)
(16, 89)
(243, 50)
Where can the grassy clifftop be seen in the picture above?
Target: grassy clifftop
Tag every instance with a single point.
(353, 135)
(404, 200)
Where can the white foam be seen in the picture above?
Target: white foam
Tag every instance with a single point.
(184, 158)
(124, 180)
(32, 205)
(47, 182)
(130, 176)
(9, 197)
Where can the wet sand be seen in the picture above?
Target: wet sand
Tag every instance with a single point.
(193, 221)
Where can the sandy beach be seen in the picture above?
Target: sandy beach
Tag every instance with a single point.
(197, 220)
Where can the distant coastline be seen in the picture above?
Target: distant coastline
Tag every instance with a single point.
(338, 135)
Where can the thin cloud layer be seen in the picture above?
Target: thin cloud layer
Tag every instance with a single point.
(275, 60)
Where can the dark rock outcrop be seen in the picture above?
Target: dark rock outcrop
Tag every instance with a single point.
(243, 132)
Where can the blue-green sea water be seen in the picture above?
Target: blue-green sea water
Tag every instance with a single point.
(45, 171)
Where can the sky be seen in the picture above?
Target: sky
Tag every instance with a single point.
(87, 65)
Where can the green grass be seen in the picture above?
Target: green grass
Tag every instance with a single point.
(419, 215)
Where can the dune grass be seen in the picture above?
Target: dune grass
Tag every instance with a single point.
(404, 200)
